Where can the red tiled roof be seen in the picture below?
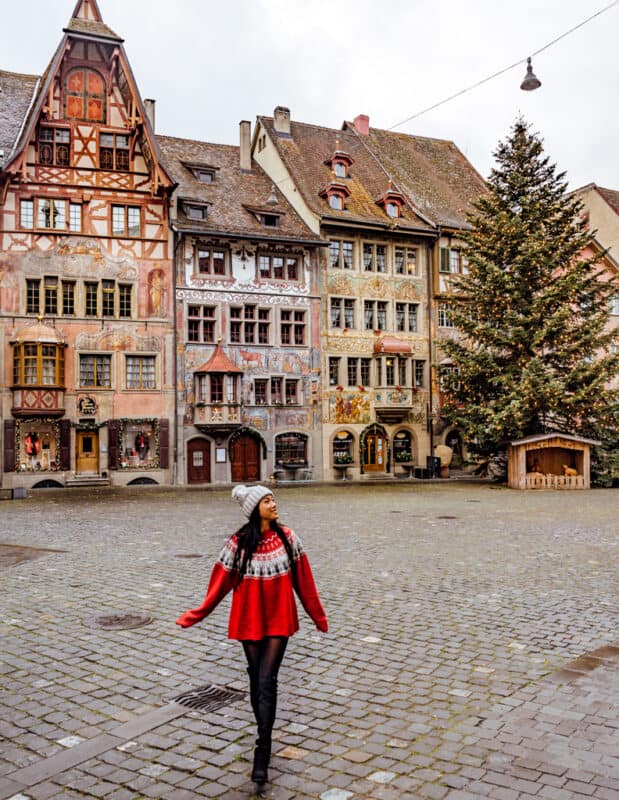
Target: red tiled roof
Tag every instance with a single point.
(218, 362)
(304, 153)
(612, 198)
(433, 173)
(232, 194)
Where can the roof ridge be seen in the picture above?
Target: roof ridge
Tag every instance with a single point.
(18, 74)
(196, 141)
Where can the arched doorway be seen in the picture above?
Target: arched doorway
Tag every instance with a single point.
(198, 461)
(374, 449)
(244, 458)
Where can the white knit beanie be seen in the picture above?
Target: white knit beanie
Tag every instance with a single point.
(248, 497)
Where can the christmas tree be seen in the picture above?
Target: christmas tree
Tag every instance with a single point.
(533, 353)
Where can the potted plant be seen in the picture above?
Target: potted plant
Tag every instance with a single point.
(402, 456)
(342, 458)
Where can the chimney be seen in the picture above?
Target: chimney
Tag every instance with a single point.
(245, 131)
(362, 124)
(149, 107)
(281, 119)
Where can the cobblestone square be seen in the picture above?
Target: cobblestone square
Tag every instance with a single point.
(453, 668)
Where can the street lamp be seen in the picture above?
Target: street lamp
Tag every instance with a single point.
(530, 81)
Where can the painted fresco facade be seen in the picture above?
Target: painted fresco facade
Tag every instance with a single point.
(86, 324)
(247, 310)
(381, 200)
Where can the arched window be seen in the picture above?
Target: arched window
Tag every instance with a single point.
(336, 201)
(343, 444)
(85, 93)
(403, 448)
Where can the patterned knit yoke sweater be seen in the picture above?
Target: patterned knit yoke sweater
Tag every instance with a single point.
(263, 602)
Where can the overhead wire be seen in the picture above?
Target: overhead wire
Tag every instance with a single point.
(506, 69)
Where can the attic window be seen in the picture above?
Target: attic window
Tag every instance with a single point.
(195, 211)
(336, 201)
(340, 169)
(392, 203)
(204, 173)
(269, 220)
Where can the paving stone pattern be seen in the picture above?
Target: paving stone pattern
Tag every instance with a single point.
(455, 613)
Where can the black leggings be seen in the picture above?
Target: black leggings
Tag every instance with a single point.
(264, 657)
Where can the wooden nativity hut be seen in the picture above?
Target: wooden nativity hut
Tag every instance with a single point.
(550, 461)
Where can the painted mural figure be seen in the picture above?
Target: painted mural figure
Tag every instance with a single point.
(156, 292)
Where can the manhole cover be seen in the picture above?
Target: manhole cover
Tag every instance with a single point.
(189, 555)
(208, 698)
(120, 620)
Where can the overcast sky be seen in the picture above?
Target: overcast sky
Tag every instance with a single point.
(210, 64)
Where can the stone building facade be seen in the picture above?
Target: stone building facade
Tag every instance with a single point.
(247, 317)
(387, 203)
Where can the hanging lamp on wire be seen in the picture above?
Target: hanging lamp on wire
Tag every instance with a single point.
(531, 81)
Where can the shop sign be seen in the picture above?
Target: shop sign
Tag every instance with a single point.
(87, 405)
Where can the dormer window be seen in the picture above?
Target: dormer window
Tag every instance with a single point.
(195, 211)
(203, 173)
(335, 194)
(392, 202)
(267, 217)
(340, 163)
(269, 220)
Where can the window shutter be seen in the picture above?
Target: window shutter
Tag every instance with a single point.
(112, 444)
(164, 443)
(9, 445)
(65, 444)
(444, 260)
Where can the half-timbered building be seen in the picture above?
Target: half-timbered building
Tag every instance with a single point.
(86, 322)
(247, 311)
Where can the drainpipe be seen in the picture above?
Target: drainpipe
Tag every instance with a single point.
(430, 278)
(176, 242)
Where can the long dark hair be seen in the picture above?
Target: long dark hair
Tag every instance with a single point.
(248, 537)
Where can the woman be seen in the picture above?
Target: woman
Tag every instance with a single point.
(262, 563)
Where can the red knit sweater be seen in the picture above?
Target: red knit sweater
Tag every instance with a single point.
(263, 603)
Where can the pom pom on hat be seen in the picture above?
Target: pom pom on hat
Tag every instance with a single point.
(248, 497)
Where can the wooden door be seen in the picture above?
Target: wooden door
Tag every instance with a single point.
(198, 461)
(87, 452)
(375, 453)
(245, 459)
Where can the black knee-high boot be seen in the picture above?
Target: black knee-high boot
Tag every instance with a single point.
(253, 691)
(267, 706)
